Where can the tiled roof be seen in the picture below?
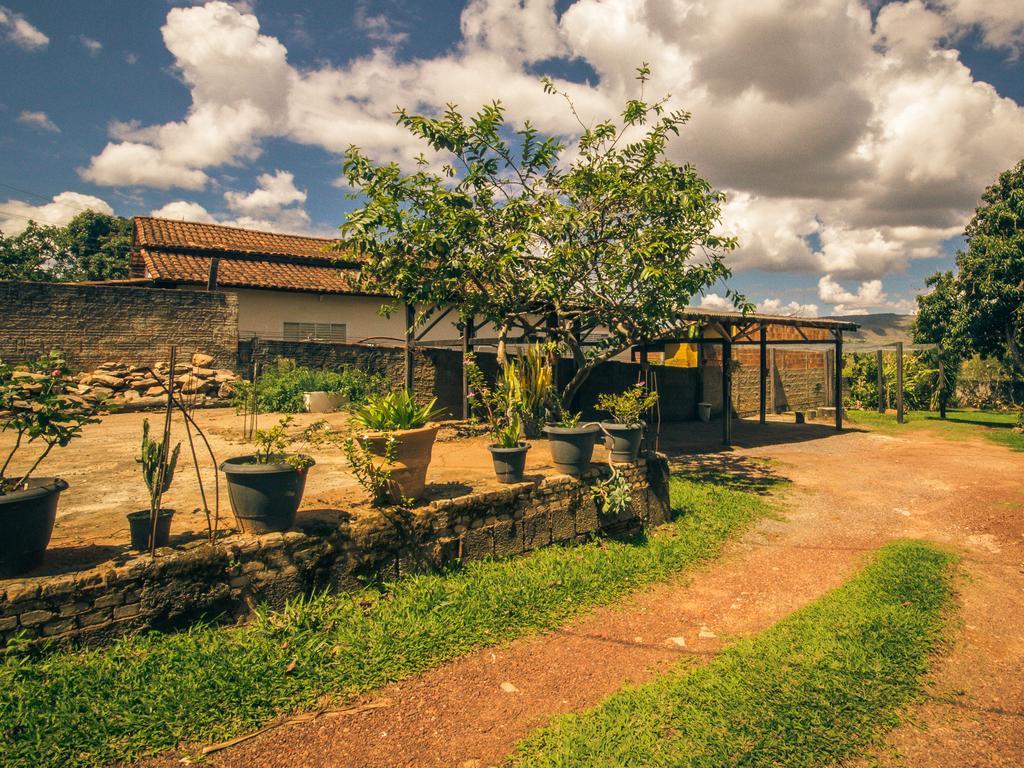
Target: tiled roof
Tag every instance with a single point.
(192, 236)
(241, 272)
(170, 251)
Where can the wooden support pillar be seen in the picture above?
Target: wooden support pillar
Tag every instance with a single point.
(881, 381)
(899, 382)
(942, 385)
(839, 380)
(763, 377)
(727, 392)
(467, 350)
(772, 389)
(410, 346)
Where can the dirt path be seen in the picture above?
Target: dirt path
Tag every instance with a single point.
(851, 493)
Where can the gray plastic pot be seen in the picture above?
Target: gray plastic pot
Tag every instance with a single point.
(509, 463)
(623, 441)
(572, 447)
(140, 526)
(264, 497)
(26, 523)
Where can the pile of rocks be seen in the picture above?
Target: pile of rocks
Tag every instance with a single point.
(131, 386)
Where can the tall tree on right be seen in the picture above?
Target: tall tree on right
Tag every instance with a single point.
(980, 308)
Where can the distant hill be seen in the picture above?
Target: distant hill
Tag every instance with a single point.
(882, 328)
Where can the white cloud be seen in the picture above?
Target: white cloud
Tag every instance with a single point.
(15, 214)
(869, 296)
(275, 205)
(376, 26)
(765, 306)
(92, 45)
(16, 29)
(847, 147)
(183, 210)
(39, 120)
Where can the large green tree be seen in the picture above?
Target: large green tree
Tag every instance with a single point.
(92, 246)
(606, 240)
(991, 272)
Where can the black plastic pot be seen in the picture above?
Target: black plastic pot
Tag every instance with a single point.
(26, 522)
(572, 447)
(509, 463)
(140, 525)
(623, 441)
(264, 497)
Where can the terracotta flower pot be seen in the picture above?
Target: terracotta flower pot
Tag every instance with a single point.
(26, 523)
(412, 453)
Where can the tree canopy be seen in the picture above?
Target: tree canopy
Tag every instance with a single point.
(92, 246)
(605, 240)
(980, 307)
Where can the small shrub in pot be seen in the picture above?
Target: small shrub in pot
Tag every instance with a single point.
(401, 427)
(502, 408)
(571, 443)
(265, 488)
(151, 528)
(37, 404)
(625, 431)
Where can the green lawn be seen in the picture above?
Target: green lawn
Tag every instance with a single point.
(144, 695)
(958, 424)
(821, 686)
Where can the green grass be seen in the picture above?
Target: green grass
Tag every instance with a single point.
(147, 694)
(819, 687)
(958, 425)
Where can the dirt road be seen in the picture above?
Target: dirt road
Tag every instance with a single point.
(849, 494)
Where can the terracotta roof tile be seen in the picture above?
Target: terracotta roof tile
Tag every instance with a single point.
(240, 272)
(192, 236)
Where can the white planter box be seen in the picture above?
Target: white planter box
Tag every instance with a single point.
(323, 402)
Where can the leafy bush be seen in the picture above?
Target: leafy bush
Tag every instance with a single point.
(920, 381)
(395, 410)
(281, 387)
(628, 407)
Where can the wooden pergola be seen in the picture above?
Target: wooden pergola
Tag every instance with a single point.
(695, 326)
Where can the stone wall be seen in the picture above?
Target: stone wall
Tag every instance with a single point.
(95, 324)
(196, 582)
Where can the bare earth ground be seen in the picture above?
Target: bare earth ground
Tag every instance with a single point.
(106, 484)
(850, 494)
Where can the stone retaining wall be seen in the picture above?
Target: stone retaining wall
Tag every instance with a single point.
(183, 585)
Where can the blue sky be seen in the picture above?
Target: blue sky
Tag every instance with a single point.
(853, 138)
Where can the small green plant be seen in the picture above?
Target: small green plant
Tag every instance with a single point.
(372, 472)
(36, 404)
(500, 406)
(612, 494)
(533, 373)
(566, 418)
(272, 446)
(157, 467)
(628, 407)
(395, 411)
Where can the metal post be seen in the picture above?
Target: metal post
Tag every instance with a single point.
(942, 385)
(645, 371)
(772, 366)
(763, 378)
(410, 346)
(726, 392)
(839, 380)
(467, 350)
(881, 381)
(899, 382)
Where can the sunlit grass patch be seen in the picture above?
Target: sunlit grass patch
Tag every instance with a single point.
(821, 686)
(144, 695)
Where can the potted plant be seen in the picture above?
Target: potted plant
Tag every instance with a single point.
(571, 443)
(265, 488)
(151, 528)
(502, 408)
(36, 405)
(626, 429)
(402, 437)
